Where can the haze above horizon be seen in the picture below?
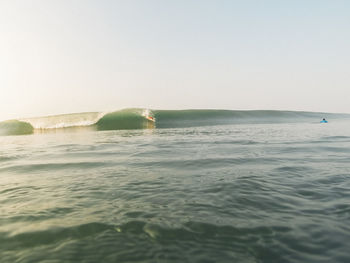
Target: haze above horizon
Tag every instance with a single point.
(65, 56)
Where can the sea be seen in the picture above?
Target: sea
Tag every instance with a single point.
(206, 186)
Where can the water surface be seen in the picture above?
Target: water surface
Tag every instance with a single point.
(223, 193)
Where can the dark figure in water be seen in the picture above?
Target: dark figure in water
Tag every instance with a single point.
(324, 120)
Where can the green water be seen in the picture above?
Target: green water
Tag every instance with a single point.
(225, 193)
(137, 118)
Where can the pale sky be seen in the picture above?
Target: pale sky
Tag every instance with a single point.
(64, 56)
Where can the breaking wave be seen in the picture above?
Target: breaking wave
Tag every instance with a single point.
(136, 118)
(15, 127)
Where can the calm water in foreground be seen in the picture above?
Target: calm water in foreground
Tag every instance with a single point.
(239, 193)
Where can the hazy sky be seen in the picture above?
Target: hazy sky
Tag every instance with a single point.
(63, 56)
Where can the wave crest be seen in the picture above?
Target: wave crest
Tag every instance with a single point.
(136, 118)
(126, 119)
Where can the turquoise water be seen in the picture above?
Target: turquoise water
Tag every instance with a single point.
(268, 192)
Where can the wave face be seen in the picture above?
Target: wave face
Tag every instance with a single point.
(15, 127)
(125, 119)
(137, 118)
(191, 118)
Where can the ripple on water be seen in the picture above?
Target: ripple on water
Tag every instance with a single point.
(215, 194)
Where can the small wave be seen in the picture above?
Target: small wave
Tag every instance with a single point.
(42, 237)
(44, 167)
(336, 138)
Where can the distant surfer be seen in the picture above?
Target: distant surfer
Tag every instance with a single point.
(150, 118)
(148, 115)
(323, 120)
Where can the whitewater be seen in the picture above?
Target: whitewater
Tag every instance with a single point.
(181, 186)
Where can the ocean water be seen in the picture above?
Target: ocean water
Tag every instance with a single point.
(242, 192)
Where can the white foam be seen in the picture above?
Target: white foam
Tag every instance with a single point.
(65, 121)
